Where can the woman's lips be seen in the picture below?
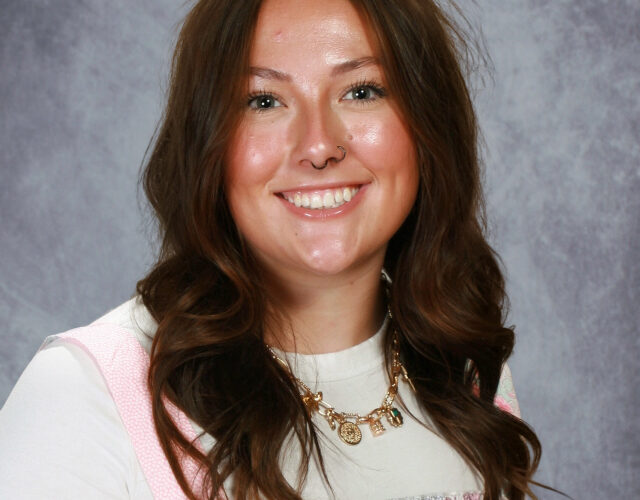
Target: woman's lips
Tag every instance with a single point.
(316, 198)
(319, 199)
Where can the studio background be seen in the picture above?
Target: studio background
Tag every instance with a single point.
(81, 90)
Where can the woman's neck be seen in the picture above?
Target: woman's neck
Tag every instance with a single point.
(326, 314)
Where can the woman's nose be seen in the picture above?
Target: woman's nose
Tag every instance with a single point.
(318, 132)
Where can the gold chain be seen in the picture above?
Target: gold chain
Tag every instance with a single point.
(347, 422)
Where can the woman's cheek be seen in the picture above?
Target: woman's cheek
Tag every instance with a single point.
(375, 143)
(256, 153)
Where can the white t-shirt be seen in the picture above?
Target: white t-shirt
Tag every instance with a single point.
(61, 435)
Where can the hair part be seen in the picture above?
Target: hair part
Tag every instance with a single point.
(205, 291)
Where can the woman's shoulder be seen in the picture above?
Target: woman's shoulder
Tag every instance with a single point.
(132, 316)
(60, 429)
(119, 327)
(117, 344)
(81, 411)
(69, 364)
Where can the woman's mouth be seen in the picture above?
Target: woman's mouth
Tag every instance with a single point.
(321, 198)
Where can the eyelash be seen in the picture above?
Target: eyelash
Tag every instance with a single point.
(378, 90)
(261, 93)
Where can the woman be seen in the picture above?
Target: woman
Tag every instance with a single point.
(325, 311)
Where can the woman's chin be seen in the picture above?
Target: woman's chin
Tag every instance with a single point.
(320, 257)
(333, 263)
(327, 267)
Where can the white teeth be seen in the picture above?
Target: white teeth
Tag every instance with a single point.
(327, 200)
(330, 199)
(316, 201)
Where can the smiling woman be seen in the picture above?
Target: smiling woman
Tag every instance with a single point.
(317, 101)
(325, 318)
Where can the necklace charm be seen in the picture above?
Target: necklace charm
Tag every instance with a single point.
(312, 400)
(330, 417)
(394, 417)
(376, 427)
(349, 433)
(348, 430)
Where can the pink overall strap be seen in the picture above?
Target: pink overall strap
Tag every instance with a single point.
(505, 397)
(124, 365)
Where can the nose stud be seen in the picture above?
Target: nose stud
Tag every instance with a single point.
(326, 162)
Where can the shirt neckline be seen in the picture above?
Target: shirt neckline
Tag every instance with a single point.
(357, 360)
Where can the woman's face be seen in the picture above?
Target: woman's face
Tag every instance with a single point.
(315, 84)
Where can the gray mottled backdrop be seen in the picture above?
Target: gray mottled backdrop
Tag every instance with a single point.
(81, 89)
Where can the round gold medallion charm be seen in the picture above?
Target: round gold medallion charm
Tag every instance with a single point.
(349, 433)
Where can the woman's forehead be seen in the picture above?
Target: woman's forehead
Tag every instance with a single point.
(328, 32)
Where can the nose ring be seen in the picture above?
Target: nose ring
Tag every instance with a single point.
(326, 162)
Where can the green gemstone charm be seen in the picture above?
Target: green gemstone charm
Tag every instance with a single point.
(394, 417)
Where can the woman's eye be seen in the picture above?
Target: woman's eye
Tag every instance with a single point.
(263, 102)
(364, 93)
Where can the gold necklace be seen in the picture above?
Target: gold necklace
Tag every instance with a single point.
(348, 423)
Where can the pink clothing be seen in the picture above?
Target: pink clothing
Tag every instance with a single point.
(121, 359)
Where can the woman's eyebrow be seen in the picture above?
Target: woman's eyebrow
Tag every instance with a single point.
(269, 74)
(345, 67)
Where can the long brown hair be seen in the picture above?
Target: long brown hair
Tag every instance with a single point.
(205, 291)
